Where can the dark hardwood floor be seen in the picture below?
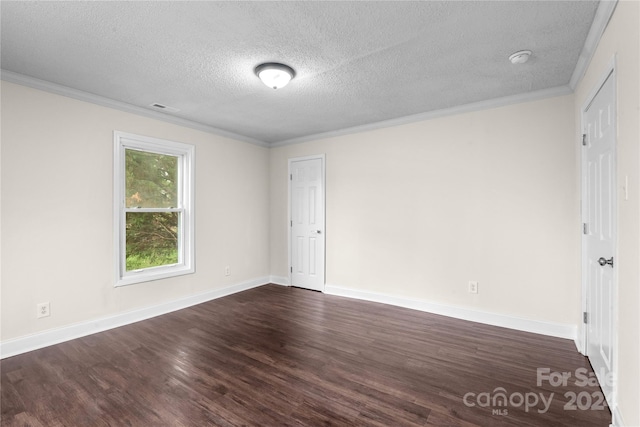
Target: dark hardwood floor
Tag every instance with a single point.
(277, 356)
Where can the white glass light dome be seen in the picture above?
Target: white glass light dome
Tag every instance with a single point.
(275, 75)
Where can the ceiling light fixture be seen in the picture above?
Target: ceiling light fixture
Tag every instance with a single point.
(275, 75)
(520, 57)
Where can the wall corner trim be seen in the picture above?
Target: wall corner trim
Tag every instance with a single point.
(14, 347)
(558, 330)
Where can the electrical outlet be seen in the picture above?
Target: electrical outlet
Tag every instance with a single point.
(44, 310)
(227, 271)
(473, 287)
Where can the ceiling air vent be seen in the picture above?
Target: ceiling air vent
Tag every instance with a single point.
(165, 108)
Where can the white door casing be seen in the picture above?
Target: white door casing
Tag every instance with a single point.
(307, 222)
(599, 211)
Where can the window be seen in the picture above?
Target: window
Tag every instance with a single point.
(153, 191)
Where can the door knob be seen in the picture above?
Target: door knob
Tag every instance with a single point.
(602, 261)
(318, 231)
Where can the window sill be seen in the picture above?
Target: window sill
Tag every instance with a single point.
(151, 274)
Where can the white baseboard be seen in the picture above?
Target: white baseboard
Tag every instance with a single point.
(560, 330)
(279, 280)
(42, 339)
(55, 336)
(578, 343)
(616, 418)
(579, 340)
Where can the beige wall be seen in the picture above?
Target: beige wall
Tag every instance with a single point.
(414, 211)
(622, 38)
(418, 210)
(57, 221)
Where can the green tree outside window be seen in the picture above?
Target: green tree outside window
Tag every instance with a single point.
(151, 184)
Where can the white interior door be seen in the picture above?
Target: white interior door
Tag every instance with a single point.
(599, 217)
(307, 222)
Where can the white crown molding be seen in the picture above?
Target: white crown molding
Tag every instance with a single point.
(46, 86)
(559, 330)
(42, 339)
(467, 108)
(600, 21)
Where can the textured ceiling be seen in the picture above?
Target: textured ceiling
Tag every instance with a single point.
(357, 63)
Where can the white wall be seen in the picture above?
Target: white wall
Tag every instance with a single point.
(418, 210)
(622, 38)
(57, 221)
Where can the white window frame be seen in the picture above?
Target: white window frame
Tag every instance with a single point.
(186, 202)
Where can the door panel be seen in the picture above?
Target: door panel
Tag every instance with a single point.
(599, 212)
(307, 223)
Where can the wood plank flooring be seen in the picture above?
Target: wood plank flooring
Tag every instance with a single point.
(278, 356)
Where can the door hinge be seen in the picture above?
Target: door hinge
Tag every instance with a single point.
(291, 223)
(585, 228)
(584, 317)
(584, 139)
(290, 177)
(291, 269)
